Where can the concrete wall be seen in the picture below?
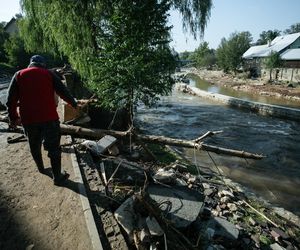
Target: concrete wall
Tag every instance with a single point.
(261, 108)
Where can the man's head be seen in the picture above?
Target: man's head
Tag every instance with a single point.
(37, 60)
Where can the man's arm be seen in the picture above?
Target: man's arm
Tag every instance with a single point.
(62, 91)
(12, 100)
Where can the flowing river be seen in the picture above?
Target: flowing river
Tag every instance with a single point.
(276, 178)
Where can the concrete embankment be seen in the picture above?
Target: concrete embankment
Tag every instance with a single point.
(261, 108)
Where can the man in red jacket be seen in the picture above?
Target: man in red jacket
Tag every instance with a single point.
(33, 89)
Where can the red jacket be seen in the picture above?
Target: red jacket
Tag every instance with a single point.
(34, 89)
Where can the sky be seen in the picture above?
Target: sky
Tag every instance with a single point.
(227, 16)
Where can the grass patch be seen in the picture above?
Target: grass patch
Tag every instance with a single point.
(163, 155)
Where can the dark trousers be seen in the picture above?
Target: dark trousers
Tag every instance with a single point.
(47, 133)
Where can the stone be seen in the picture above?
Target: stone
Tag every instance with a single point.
(276, 246)
(145, 236)
(183, 204)
(225, 199)
(252, 221)
(205, 185)
(180, 182)
(282, 234)
(165, 176)
(106, 142)
(237, 216)
(153, 226)
(232, 207)
(125, 215)
(226, 193)
(222, 228)
(208, 192)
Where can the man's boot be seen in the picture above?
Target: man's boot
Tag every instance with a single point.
(58, 176)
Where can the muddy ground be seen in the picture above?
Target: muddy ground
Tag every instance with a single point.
(35, 214)
(257, 86)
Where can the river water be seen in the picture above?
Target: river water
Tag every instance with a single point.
(276, 178)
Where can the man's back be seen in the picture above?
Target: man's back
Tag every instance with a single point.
(36, 95)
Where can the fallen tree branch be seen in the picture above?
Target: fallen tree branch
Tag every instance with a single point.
(199, 146)
(208, 133)
(98, 133)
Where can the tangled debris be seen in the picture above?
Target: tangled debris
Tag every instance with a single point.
(149, 205)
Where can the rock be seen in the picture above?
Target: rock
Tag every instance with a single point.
(252, 221)
(208, 192)
(145, 236)
(225, 199)
(125, 215)
(165, 176)
(222, 228)
(153, 226)
(106, 142)
(183, 204)
(205, 185)
(225, 193)
(180, 182)
(232, 207)
(282, 234)
(237, 215)
(276, 246)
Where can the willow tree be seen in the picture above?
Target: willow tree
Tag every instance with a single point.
(120, 47)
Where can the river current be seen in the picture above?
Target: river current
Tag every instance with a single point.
(275, 178)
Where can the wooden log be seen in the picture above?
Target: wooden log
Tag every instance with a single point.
(199, 146)
(90, 132)
(98, 133)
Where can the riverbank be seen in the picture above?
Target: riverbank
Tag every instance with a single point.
(254, 86)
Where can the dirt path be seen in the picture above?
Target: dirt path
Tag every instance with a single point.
(35, 214)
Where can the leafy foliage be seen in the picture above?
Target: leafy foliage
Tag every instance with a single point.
(119, 47)
(16, 53)
(229, 53)
(204, 56)
(294, 28)
(3, 38)
(273, 61)
(195, 14)
(267, 36)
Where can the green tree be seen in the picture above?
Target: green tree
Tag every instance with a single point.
(294, 28)
(267, 36)
(16, 53)
(273, 61)
(229, 53)
(3, 38)
(120, 47)
(204, 56)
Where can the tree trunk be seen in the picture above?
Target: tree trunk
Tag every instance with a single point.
(98, 133)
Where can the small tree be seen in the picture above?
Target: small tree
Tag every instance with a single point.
(267, 36)
(204, 56)
(16, 53)
(294, 28)
(229, 52)
(3, 38)
(273, 61)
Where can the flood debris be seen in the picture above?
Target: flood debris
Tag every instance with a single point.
(147, 204)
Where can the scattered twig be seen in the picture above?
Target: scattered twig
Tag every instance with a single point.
(114, 173)
(261, 214)
(209, 133)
